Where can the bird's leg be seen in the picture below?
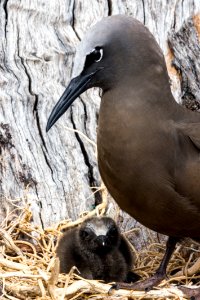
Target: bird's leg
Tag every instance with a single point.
(160, 274)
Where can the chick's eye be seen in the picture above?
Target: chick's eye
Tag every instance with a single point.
(113, 231)
(85, 233)
(94, 56)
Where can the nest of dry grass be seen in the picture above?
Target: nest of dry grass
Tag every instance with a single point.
(30, 270)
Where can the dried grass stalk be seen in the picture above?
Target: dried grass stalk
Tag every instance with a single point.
(29, 269)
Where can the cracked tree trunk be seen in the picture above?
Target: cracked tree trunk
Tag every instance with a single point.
(55, 171)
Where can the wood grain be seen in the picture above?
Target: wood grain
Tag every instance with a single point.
(54, 171)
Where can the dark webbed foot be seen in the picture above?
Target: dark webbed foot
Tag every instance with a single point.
(191, 293)
(149, 283)
(145, 285)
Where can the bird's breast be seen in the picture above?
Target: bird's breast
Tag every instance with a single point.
(130, 149)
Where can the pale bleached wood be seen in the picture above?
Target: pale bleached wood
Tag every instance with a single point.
(38, 40)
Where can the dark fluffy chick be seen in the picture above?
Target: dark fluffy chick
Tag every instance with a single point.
(98, 250)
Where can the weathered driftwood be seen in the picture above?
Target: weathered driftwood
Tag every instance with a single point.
(55, 171)
(185, 46)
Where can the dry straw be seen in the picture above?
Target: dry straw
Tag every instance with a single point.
(30, 270)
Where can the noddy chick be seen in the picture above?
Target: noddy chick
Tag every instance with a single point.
(98, 250)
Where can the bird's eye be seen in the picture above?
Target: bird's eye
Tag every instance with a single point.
(112, 231)
(85, 233)
(94, 56)
(97, 53)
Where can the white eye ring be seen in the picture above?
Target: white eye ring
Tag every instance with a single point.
(101, 55)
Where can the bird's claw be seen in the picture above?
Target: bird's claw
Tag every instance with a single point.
(191, 293)
(113, 288)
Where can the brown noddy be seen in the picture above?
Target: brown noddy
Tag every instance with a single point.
(148, 145)
(98, 250)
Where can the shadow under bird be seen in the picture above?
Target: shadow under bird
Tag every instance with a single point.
(98, 250)
(148, 145)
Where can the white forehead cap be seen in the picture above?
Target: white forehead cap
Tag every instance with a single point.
(95, 36)
(79, 59)
(99, 227)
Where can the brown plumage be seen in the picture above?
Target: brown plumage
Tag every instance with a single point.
(148, 145)
(98, 250)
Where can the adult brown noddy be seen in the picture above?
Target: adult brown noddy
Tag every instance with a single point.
(148, 145)
(98, 250)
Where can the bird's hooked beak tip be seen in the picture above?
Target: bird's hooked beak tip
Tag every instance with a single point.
(47, 128)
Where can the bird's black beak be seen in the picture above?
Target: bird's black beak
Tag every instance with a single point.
(102, 240)
(77, 86)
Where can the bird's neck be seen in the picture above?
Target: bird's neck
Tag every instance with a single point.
(140, 96)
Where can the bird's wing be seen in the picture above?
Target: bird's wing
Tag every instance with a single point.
(192, 130)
